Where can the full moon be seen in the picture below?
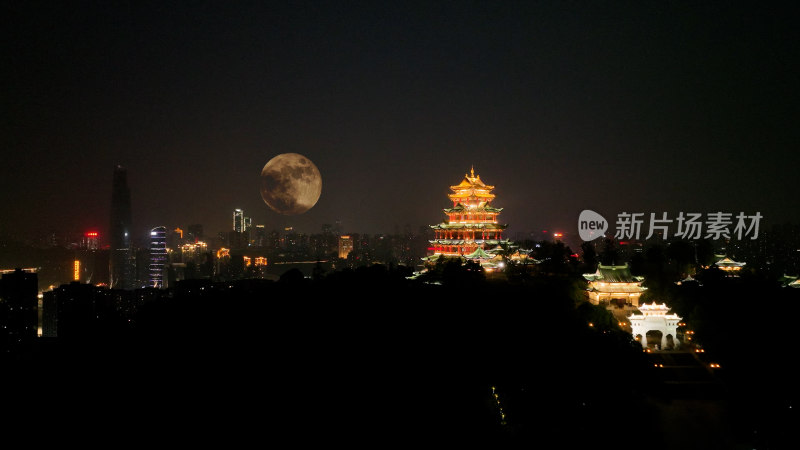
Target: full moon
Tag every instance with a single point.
(290, 184)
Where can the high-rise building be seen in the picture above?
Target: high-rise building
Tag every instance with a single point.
(471, 224)
(260, 236)
(194, 232)
(238, 220)
(90, 240)
(345, 246)
(19, 305)
(121, 261)
(194, 252)
(158, 256)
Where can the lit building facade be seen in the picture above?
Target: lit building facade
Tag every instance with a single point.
(90, 241)
(610, 283)
(238, 220)
(260, 236)
(345, 246)
(471, 224)
(158, 257)
(194, 252)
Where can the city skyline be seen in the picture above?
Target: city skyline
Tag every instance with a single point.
(646, 108)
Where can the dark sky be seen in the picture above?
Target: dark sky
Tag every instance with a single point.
(643, 106)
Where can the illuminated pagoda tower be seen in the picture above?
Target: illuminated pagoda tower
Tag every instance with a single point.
(471, 230)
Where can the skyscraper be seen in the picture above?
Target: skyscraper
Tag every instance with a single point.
(18, 308)
(158, 257)
(238, 220)
(345, 246)
(120, 267)
(194, 232)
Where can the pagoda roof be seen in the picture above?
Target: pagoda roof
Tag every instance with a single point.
(458, 226)
(458, 208)
(653, 310)
(612, 274)
(618, 289)
(447, 241)
(462, 241)
(478, 254)
(471, 181)
(437, 256)
(688, 279)
(794, 284)
(787, 279)
(482, 207)
(727, 262)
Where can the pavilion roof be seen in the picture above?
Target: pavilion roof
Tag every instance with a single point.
(727, 262)
(612, 274)
(482, 207)
(471, 181)
(619, 288)
(478, 254)
(476, 226)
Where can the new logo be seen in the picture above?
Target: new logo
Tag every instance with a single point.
(591, 225)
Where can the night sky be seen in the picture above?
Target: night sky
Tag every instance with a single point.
(642, 106)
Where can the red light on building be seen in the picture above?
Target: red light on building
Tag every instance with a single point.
(90, 240)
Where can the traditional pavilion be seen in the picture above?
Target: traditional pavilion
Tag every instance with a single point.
(471, 230)
(614, 283)
(655, 317)
(688, 280)
(730, 266)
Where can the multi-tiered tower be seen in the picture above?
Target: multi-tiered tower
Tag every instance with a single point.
(471, 227)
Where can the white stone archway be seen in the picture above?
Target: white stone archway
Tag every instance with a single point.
(655, 317)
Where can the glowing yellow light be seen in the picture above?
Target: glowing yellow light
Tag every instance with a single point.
(76, 270)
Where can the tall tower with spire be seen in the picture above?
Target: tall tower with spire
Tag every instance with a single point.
(121, 260)
(471, 224)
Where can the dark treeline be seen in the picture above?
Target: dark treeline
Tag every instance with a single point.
(367, 356)
(360, 355)
(748, 324)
